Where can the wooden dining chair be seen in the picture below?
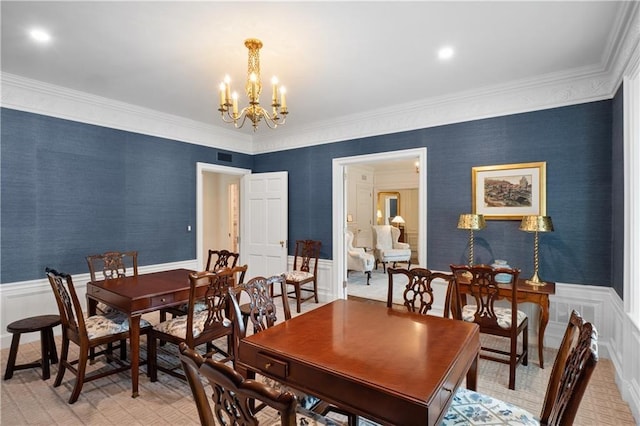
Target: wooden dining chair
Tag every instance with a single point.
(305, 271)
(112, 264)
(221, 259)
(418, 295)
(199, 327)
(217, 259)
(234, 397)
(570, 375)
(492, 318)
(88, 333)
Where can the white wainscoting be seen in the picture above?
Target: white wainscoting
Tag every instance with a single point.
(619, 338)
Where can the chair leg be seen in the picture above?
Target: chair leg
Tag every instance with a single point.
(368, 276)
(123, 349)
(82, 368)
(315, 290)
(64, 352)
(152, 358)
(298, 296)
(525, 346)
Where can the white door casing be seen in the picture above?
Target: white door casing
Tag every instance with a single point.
(263, 223)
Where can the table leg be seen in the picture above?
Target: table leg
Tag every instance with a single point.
(544, 320)
(472, 374)
(134, 330)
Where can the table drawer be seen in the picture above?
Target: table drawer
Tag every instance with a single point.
(273, 365)
(162, 300)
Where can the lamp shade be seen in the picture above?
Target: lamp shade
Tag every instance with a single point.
(536, 224)
(398, 219)
(471, 221)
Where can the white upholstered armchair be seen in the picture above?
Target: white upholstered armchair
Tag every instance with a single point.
(357, 258)
(387, 248)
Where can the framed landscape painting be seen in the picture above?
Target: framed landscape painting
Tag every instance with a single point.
(509, 191)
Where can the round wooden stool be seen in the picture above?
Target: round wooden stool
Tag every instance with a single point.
(44, 324)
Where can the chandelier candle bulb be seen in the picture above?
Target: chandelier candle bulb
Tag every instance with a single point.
(235, 104)
(283, 99)
(274, 96)
(222, 95)
(227, 85)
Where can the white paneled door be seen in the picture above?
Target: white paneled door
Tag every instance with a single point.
(263, 224)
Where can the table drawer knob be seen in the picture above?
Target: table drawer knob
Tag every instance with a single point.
(267, 366)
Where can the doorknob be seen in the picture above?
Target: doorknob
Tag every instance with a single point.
(282, 243)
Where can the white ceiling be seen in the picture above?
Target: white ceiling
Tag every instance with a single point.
(337, 59)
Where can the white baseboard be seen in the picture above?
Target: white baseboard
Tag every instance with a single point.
(618, 337)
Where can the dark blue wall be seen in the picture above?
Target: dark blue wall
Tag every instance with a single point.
(574, 141)
(71, 189)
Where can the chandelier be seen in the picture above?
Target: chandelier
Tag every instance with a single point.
(254, 112)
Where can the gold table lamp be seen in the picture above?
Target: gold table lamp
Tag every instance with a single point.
(536, 224)
(472, 222)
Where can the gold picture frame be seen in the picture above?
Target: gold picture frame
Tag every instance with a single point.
(509, 191)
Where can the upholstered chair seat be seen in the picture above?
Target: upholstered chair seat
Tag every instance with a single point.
(112, 323)
(473, 408)
(178, 326)
(503, 315)
(298, 276)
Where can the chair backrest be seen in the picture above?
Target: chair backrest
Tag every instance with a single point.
(191, 362)
(68, 304)
(306, 256)
(572, 369)
(484, 288)
(262, 310)
(348, 240)
(113, 264)
(233, 395)
(216, 299)
(223, 259)
(382, 237)
(418, 295)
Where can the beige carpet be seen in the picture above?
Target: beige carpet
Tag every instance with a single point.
(28, 400)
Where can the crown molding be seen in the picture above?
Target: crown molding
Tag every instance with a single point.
(47, 99)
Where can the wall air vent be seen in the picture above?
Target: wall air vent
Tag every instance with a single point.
(224, 157)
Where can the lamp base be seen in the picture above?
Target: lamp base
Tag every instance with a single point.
(535, 280)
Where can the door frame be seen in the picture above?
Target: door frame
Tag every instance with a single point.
(201, 169)
(339, 219)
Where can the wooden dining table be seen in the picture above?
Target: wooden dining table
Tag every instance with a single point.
(137, 295)
(393, 367)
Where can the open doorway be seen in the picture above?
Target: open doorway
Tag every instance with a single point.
(416, 157)
(217, 209)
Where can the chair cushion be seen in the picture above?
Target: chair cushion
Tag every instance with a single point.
(178, 326)
(473, 408)
(298, 275)
(199, 306)
(112, 323)
(389, 255)
(503, 315)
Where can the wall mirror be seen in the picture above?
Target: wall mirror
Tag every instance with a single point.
(388, 207)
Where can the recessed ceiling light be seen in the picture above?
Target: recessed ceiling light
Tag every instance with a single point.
(445, 53)
(39, 35)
